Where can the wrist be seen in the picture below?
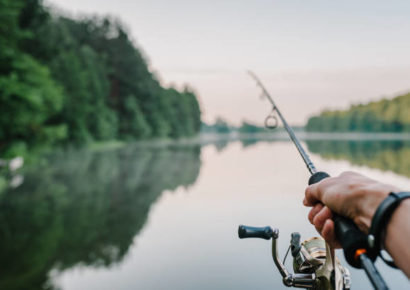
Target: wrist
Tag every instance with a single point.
(386, 214)
(395, 219)
(398, 235)
(371, 197)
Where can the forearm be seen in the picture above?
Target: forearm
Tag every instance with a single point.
(398, 237)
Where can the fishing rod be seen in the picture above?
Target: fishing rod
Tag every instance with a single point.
(292, 135)
(314, 262)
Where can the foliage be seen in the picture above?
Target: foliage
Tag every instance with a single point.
(247, 127)
(66, 80)
(383, 155)
(220, 126)
(382, 116)
(29, 102)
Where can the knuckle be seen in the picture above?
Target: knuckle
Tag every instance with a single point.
(347, 174)
(321, 187)
(310, 217)
(317, 220)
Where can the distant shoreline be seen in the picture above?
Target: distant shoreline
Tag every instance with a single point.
(203, 139)
(283, 136)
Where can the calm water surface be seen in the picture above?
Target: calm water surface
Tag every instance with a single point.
(166, 217)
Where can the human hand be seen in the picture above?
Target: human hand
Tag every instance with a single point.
(351, 195)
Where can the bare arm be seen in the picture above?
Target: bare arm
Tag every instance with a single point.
(398, 237)
(357, 197)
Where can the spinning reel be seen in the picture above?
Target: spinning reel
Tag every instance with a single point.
(314, 264)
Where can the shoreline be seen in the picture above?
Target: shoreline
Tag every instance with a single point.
(203, 139)
(283, 136)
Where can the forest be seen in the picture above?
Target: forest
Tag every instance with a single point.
(380, 116)
(77, 81)
(221, 126)
(384, 155)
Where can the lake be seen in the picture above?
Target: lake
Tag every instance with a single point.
(166, 216)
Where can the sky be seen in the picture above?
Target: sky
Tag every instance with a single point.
(311, 55)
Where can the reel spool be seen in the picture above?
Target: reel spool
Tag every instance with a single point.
(311, 256)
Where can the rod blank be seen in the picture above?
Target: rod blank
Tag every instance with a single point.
(291, 133)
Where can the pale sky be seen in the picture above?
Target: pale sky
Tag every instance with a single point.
(310, 54)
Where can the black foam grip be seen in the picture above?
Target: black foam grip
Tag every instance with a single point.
(318, 176)
(350, 237)
(254, 232)
(347, 233)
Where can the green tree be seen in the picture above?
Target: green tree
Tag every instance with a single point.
(381, 116)
(79, 80)
(29, 98)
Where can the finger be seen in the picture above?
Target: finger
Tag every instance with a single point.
(328, 233)
(314, 211)
(321, 217)
(312, 195)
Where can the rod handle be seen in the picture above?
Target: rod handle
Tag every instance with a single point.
(347, 233)
(318, 176)
(351, 238)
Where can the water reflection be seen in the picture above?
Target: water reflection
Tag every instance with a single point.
(81, 212)
(248, 142)
(84, 208)
(383, 155)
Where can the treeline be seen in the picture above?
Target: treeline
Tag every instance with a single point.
(250, 128)
(66, 80)
(381, 116)
(384, 155)
(221, 126)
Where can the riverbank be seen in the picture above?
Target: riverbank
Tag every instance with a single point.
(216, 138)
(283, 136)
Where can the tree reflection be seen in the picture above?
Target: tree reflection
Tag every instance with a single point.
(384, 155)
(84, 208)
(249, 142)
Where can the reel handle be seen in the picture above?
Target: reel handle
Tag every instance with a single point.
(255, 232)
(347, 233)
